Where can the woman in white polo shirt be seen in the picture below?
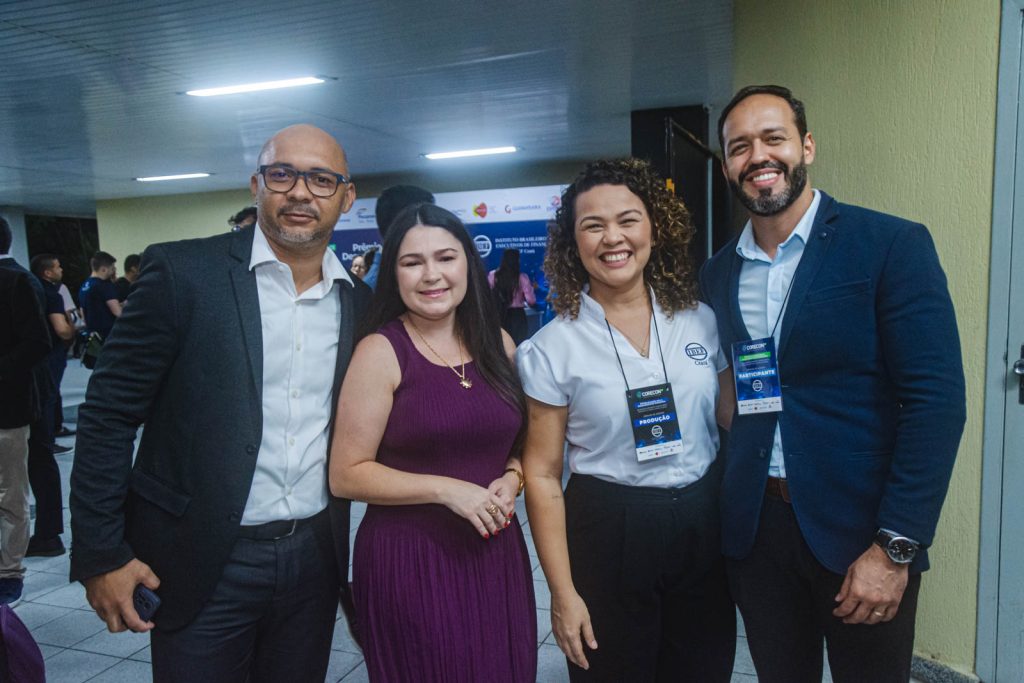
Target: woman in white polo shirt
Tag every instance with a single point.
(630, 375)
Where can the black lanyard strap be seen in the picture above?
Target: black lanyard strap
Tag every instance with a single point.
(785, 300)
(657, 334)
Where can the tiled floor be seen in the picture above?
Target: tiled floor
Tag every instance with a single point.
(77, 646)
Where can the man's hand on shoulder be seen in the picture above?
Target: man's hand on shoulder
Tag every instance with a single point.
(872, 590)
(110, 595)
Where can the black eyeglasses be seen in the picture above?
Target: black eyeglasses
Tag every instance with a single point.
(319, 183)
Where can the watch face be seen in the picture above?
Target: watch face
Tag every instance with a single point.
(901, 550)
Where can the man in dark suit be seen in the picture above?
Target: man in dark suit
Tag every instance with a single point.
(230, 350)
(43, 471)
(24, 342)
(843, 446)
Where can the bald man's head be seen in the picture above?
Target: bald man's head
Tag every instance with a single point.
(303, 130)
(296, 219)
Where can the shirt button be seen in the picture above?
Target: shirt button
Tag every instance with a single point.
(298, 347)
(291, 440)
(295, 393)
(289, 491)
(250, 449)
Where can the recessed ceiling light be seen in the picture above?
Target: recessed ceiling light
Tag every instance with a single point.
(180, 176)
(253, 87)
(471, 152)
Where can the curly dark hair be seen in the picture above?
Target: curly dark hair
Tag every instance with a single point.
(669, 271)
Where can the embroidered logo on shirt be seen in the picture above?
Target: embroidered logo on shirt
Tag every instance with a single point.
(697, 353)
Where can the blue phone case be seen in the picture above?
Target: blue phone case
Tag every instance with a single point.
(146, 602)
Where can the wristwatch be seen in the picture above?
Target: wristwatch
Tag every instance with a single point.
(900, 549)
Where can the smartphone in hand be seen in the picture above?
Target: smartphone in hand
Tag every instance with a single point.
(146, 602)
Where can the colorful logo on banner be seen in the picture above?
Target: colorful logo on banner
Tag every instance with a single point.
(480, 210)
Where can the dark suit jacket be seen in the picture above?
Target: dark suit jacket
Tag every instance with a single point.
(186, 359)
(24, 342)
(43, 387)
(872, 388)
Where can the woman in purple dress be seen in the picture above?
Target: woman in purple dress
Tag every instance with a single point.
(429, 430)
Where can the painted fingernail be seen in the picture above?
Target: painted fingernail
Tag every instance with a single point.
(510, 514)
(487, 536)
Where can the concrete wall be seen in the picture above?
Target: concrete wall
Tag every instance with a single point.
(127, 226)
(901, 100)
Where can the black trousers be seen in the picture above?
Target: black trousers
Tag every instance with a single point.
(58, 361)
(270, 618)
(648, 564)
(43, 473)
(786, 598)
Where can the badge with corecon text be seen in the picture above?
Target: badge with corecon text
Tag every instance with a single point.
(756, 371)
(652, 412)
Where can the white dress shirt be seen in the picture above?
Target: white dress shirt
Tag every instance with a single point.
(764, 292)
(300, 345)
(572, 363)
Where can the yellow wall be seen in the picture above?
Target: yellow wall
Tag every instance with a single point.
(127, 226)
(901, 100)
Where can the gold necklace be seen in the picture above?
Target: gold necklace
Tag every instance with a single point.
(642, 348)
(463, 380)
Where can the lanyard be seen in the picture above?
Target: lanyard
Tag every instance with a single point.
(785, 300)
(657, 334)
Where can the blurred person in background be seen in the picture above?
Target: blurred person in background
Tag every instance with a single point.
(389, 204)
(512, 291)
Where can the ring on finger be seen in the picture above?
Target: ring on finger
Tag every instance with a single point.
(492, 509)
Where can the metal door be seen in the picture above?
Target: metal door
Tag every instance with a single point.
(1000, 651)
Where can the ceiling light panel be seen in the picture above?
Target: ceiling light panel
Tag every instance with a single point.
(471, 153)
(255, 87)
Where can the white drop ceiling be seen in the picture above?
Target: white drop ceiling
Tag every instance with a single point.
(90, 91)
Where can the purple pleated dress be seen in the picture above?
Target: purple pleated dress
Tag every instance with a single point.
(437, 602)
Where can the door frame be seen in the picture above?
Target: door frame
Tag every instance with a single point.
(1008, 109)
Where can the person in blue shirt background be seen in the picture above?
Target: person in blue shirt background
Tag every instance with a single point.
(98, 295)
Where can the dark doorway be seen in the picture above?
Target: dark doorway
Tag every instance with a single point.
(676, 142)
(72, 240)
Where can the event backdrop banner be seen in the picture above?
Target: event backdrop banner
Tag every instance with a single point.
(515, 218)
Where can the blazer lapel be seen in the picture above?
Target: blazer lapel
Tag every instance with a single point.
(734, 295)
(818, 244)
(346, 340)
(248, 304)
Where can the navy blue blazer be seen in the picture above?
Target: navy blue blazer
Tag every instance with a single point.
(186, 359)
(872, 388)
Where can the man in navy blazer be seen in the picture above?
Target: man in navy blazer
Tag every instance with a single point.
(230, 351)
(830, 503)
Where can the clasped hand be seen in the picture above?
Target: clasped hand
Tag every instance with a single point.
(487, 509)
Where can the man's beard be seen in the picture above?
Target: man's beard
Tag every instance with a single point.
(300, 237)
(765, 203)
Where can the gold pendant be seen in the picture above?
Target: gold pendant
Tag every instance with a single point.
(466, 384)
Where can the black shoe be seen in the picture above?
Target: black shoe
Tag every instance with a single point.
(45, 547)
(60, 450)
(64, 431)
